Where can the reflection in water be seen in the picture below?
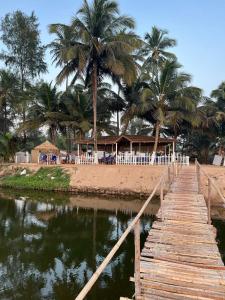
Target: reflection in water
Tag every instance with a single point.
(220, 226)
(49, 248)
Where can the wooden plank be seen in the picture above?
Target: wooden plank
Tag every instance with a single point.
(180, 258)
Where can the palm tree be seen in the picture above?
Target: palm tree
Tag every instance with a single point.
(76, 105)
(101, 46)
(219, 95)
(155, 48)
(44, 110)
(166, 96)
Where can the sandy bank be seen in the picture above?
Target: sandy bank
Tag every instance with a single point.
(123, 179)
(111, 179)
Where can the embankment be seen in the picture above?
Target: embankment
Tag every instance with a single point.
(101, 179)
(118, 179)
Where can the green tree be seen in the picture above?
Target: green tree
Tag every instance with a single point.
(45, 110)
(102, 45)
(8, 99)
(155, 48)
(23, 50)
(168, 94)
(8, 146)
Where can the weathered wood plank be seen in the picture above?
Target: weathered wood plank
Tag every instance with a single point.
(180, 258)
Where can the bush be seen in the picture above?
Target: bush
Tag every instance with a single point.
(45, 178)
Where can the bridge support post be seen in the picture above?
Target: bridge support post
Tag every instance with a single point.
(169, 177)
(137, 259)
(209, 201)
(198, 175)
(161, 197)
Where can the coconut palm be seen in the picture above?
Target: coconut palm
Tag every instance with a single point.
(168, 98)
(45, 110)
(76, 105)
(155, 48)
(101, 46)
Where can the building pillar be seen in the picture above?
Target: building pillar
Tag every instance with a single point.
(131, 148)
(173, 151)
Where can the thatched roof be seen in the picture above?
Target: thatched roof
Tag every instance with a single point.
(109, 140)
(47, 147)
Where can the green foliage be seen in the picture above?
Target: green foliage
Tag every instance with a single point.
(153, 95)
(24, 51)
(8, 147)
(47, 178)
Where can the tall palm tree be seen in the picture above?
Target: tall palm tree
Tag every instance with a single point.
(155, 48)
(102, 46)
(166, 95)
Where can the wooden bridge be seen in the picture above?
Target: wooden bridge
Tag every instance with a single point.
(180, 258)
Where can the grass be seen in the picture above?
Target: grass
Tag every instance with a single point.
(44, 179)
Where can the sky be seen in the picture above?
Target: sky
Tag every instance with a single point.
(197, 25)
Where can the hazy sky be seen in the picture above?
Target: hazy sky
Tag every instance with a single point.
(198, 26)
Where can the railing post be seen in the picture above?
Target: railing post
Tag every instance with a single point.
(198, 174)
(173, 171)
(169, 177)
(137, 248)
(209, 201)
(161, 197)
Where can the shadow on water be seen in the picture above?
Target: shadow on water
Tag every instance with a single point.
(52, 243)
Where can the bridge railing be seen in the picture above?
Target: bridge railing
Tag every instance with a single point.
(211, 184)
(166, 179)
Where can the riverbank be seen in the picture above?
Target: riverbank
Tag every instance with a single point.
(122, 180)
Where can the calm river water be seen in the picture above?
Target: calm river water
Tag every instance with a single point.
(50, 244)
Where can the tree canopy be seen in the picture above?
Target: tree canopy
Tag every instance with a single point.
(116, 82)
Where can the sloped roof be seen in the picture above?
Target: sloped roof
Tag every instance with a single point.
(47, 147)
(109, 140)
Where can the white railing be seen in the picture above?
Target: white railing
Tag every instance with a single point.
(148, 159)
(131, 159)
(85, 159)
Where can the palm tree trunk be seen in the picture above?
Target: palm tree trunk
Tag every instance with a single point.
(157, 132)
(94, 98)
(117, 115)
(118, 122)
(53, 134)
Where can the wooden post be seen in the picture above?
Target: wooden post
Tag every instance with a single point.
(209, 201)
(137, 259)
(169, 177)
(198, 178)
(161, 198)
(173, 171)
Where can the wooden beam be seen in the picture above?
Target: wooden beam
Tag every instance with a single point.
(137, 258)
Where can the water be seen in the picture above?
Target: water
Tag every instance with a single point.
(50, 244)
